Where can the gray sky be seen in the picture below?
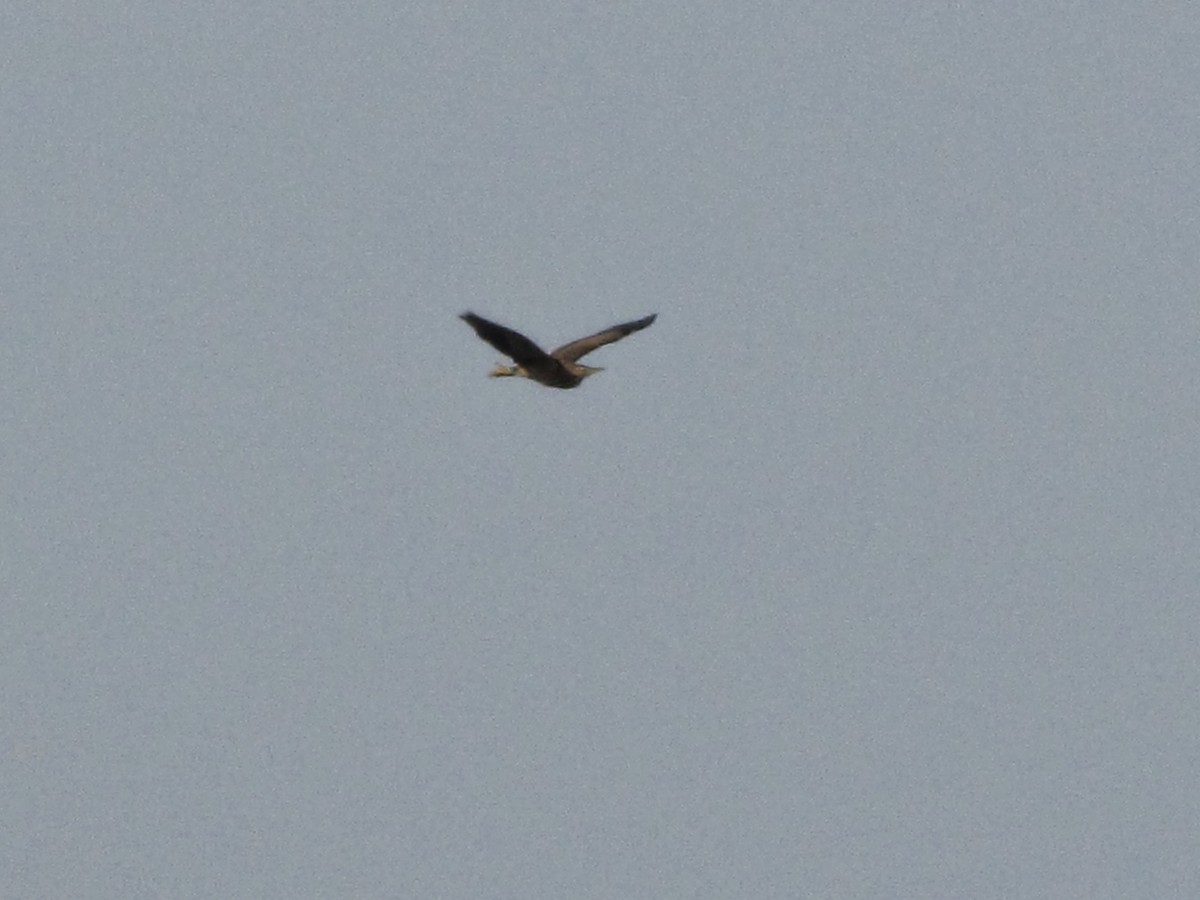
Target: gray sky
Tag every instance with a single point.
(870, 570)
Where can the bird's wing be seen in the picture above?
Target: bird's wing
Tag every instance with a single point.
(523, 351)
(576, 349)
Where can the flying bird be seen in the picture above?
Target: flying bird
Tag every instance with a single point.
(560, 368)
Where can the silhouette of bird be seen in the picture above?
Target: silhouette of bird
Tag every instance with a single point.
(559, 368)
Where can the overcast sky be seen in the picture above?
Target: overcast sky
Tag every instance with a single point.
(870, 570)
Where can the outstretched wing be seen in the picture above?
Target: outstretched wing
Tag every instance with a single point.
(576, 349)
(523, 351)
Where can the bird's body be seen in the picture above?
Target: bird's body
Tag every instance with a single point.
(560, 368)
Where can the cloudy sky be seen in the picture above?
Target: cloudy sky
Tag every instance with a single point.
(870, 570)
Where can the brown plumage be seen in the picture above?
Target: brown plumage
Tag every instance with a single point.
(559, 368)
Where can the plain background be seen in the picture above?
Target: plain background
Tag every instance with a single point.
(870, 570)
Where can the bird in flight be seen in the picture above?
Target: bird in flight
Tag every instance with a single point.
(559, 368)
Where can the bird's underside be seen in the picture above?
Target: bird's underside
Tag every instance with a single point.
(559, 368)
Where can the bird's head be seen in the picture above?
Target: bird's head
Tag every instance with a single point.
(502, 371)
